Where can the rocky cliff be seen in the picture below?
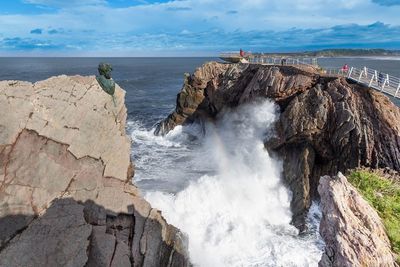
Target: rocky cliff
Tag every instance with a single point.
(352, 230)
(326, 124)
(66, 197)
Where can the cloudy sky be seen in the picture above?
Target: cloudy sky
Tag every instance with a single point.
(193, 27)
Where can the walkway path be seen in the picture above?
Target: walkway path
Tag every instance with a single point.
(372, 78)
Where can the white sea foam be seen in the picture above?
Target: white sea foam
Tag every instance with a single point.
(238, 214)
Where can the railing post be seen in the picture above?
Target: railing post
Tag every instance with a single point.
(372, 79)
(359, 77)
(386, 81)
(350, 72)
(397, 91)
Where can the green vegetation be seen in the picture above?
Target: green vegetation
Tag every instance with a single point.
(384, 196)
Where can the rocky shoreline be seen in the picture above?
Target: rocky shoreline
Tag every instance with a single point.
(66, 197)
(326, 125)
(352, 230)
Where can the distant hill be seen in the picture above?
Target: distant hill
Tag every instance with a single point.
(342, 52)
(353, 52)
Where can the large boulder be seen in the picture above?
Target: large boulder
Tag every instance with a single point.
(326, 124)
(66, 197)
(352, 230)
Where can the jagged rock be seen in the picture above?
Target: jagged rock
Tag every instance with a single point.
(65, 168)
(343, 127)
(352, 230)
(326, 124)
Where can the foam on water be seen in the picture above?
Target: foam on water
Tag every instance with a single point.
(166, 163)
(235, 211)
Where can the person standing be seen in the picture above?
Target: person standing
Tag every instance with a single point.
(345, 68)
(380, 79)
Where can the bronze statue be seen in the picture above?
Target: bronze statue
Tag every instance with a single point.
(105, 80)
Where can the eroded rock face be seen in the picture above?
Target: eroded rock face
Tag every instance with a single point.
(336, 126)
(352, 230)
(326, 124)
(65, 193)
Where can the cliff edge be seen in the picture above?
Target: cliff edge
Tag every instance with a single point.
(66, 197)
(326, 124)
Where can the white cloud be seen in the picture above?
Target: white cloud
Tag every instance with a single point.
(91, 23)
(65, 3)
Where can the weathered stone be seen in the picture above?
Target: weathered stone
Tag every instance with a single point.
(65, 160)
(122, 256)
(102, 247)
(68, 109)
(352, 230)
(326, 124)
(58, 238)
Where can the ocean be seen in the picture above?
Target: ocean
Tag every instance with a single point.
(220, 187)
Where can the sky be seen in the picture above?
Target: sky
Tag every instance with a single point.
(193, 27)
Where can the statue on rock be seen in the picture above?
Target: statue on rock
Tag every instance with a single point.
(105, 80)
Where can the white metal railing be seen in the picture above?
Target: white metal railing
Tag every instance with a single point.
(375, 79)
(271, 60)
(229, 54)
(334, 71)
(372, 78)
(380, 81)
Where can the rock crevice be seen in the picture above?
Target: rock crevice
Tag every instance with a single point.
(65, 193)
(325, 125)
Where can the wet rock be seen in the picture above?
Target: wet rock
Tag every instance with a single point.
(352, 230)
(326, 124)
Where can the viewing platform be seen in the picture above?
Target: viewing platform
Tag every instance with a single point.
(375, 79)
(372, 78)
(267, 59)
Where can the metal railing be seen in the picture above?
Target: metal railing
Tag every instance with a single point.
(268, 60)
(372, 78)
(382, 82)
(272, 60)
(229, 54)
(334, 71)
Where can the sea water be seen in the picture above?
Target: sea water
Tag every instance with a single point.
(238, 214)
(216, 182)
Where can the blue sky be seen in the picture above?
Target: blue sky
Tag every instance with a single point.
(193, 27)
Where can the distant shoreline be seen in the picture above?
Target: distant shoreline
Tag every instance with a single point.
(342, 53)
(365, 57)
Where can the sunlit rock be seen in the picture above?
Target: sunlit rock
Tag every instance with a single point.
(66, 197)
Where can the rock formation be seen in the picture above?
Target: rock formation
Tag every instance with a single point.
(66, 197)
(326, 124)
(352, 230)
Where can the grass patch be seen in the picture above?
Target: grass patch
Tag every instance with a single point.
(384, 196)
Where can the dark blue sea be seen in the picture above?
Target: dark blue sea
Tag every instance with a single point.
(221, 188)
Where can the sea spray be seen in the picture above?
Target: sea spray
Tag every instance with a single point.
(239, 213)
